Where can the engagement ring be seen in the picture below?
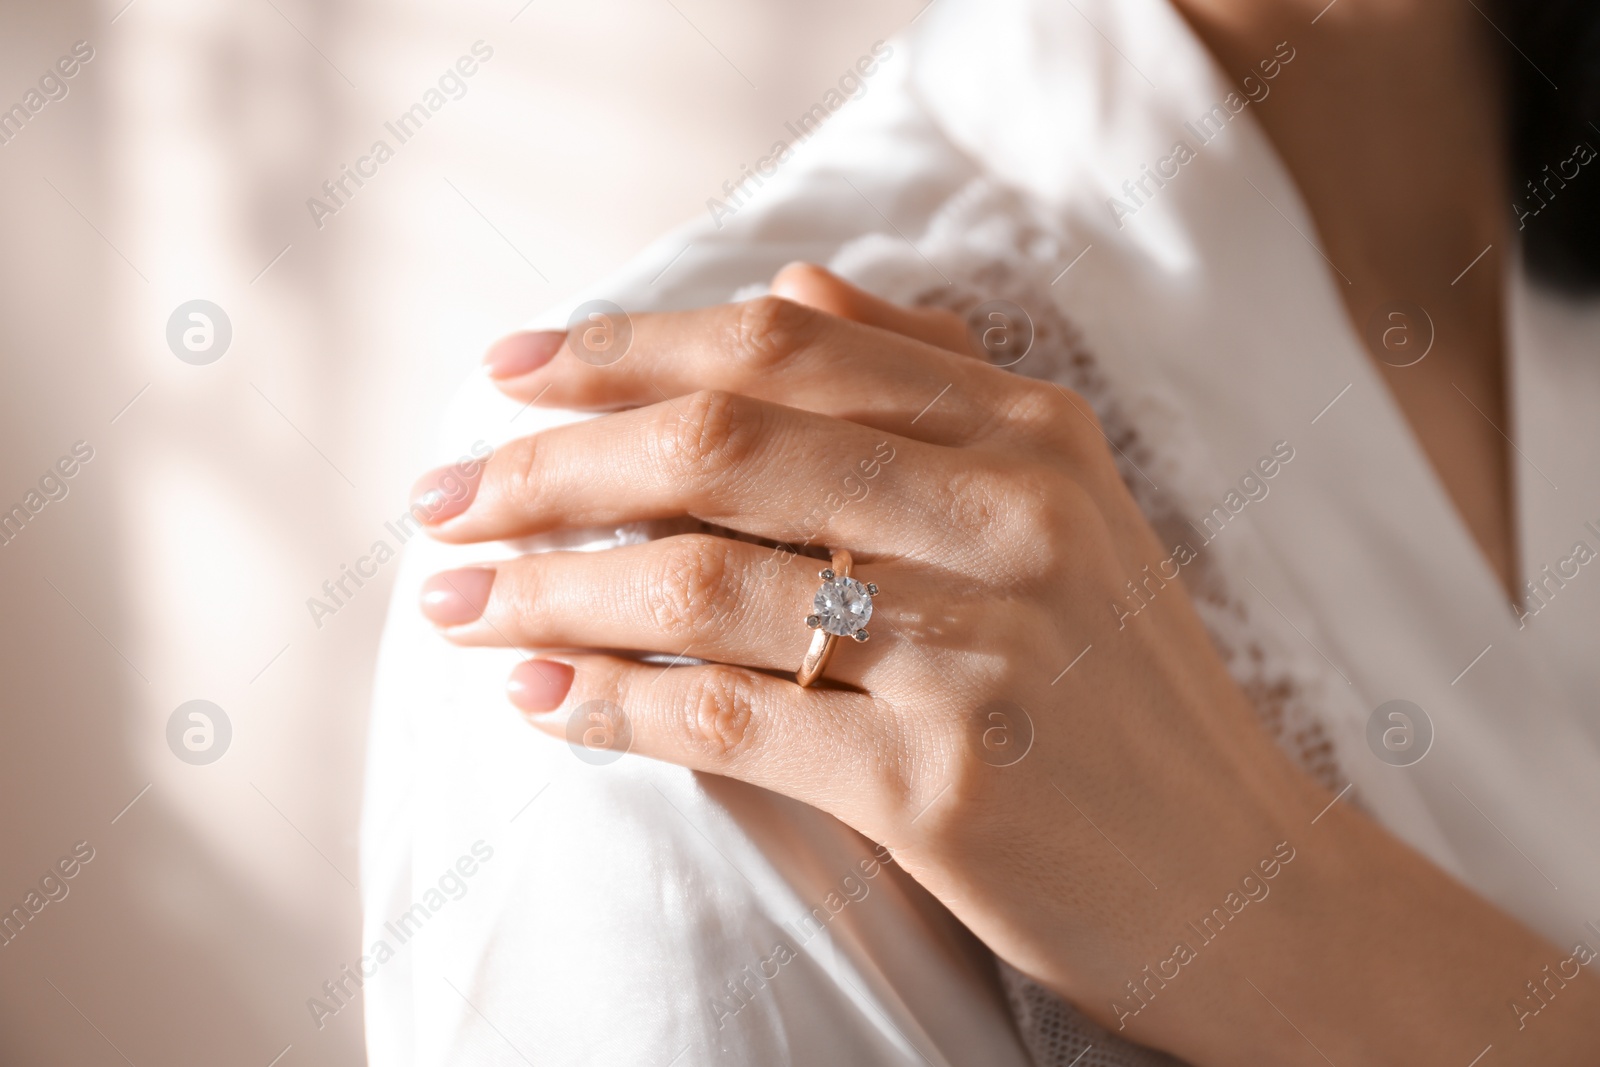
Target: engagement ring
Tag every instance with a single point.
(841, 608)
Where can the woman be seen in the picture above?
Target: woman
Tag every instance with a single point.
(1229, 680)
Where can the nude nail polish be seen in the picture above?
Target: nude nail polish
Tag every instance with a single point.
(539, 685)
(457, 597)
(444, 493)
(522, 353)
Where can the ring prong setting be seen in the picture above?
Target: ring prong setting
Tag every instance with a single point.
(841, 608)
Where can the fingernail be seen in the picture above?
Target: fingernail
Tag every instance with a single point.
(457, 597)
(522, 353)
(539, 685)
(443, 494)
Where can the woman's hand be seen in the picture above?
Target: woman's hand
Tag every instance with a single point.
(1092, 796)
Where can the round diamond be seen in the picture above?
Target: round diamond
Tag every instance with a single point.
(843, 606)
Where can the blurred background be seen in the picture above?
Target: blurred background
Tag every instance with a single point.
(240, 459)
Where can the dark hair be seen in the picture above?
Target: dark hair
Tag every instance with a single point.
(1555, 109)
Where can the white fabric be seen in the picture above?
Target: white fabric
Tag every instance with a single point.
(621, 902)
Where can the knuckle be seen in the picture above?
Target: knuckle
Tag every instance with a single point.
(515, 473)
(719, 713)
(1080, 429)
(1077, 540)
(1054, 409)
(1048, 521)
(520, 591)
(974, 500)
(1023, 520)
(1065, 420)
(1036, 506)
(687, 589)
(709, 434)
(1084, 411)
(769, 330)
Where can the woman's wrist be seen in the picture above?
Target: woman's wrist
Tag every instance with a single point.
(1364, 952)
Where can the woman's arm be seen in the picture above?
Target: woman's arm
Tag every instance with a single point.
(1153, 857)
(1377, 956)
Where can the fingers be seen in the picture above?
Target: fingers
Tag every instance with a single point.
(697, 595)
(749, 465)
(775, 349)
(825, 747)
(811, 285)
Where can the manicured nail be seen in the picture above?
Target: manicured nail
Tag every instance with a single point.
(522, 353)
(539, 685)
(457, 597)
(443, 494)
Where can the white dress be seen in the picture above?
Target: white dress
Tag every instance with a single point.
(636, 913)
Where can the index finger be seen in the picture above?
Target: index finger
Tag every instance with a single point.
(770, 348)
(749, 465)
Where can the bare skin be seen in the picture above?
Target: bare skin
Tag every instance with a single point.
(1391, 122)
